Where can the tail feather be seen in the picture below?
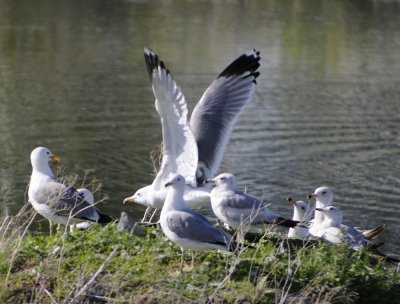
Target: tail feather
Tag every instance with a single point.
(285, 222)
(374, 233)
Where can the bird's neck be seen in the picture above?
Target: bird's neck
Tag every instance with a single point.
(220, 190)
(330, 222)
(297, 216)
(319, 217)
(37, 179)
(174, 200)
(320, 204)
(43, 169)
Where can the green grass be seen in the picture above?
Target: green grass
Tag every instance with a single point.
(103, 264)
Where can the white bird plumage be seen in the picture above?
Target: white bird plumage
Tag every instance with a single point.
(187, 228)
(332, 230)
(302, 212)
(54, 199)
(234, 207)
(195, 149)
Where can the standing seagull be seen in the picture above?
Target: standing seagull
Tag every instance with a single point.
(187, 228)
(195, 150)
(234, 207)
(53, 199)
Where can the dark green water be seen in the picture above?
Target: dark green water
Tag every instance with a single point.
(326, 109)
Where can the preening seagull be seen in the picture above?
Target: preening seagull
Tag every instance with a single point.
(187, 228)
(195, 149)
(234, 207)
(54, 199)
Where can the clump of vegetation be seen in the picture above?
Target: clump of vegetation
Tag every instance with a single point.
(102, 264)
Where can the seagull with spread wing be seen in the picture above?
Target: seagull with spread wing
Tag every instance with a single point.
(195, 149)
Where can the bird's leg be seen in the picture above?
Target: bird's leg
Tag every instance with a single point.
(182, 259)
(59, 227)
(145, 214)
(192, 264)
(154, 213)
(51, 228)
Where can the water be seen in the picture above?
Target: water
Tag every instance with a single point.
(326, 109)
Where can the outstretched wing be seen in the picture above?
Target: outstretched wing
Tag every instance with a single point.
(217, 111)
(180, 153)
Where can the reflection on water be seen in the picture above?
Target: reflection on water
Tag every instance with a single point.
(326, 110)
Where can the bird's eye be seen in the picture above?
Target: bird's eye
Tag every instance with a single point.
(222, 178)
(323, 192)
(332, 208)
(139, 194)
(302, 208)
(47, 152)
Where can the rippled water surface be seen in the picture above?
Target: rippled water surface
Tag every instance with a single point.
(326, 109)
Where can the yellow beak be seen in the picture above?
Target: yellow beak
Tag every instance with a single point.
(55, 158)
(128, 200)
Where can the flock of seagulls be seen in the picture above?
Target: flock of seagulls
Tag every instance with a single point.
(187, 180)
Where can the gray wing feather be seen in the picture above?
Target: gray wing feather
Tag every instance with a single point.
(217, 111)
(242, 200)
(239, 206)
(66, 201)
(194, 227)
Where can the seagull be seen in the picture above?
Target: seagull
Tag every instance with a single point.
(88, 196)
(54, 199)
(332, 231)
(187, 228)
(324, 198)
(234, 207)
(195, 149)
(301, 213)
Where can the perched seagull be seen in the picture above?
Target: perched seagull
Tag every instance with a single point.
(234, 207)
(324, 198)
(54, 199)
(195, 149)
(87, 195)
(301, 213)
(187, 228)
(332, 231)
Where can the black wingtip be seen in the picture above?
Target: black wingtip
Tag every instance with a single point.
(153, 62)
(104, 219)
(247, 62)
(286, 222)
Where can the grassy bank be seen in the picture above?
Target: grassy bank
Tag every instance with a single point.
(105, 265)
